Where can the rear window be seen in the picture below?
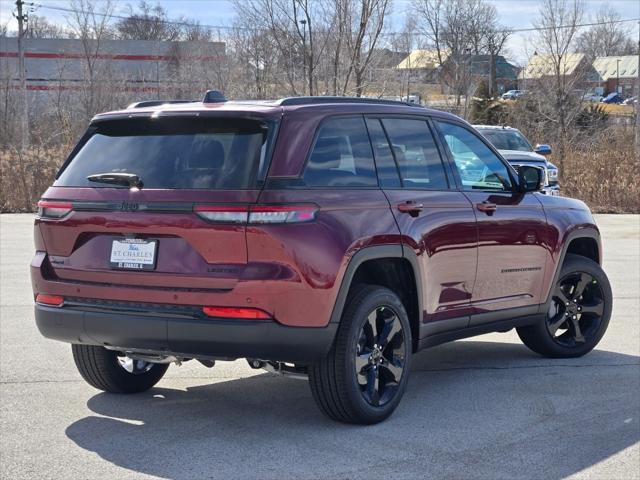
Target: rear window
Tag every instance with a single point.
(174, 153)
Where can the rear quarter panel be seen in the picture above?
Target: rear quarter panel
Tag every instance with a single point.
(315, 255)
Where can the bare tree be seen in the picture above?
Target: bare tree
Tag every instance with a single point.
(609, 37)
(256, 60)
(192, 31)
(496, 38)
(90, 23)
(361, 44)
(40, 27)
(9, 105)
(405, 42)
(456, 29)
(299, 31)
(558, 22)
(148, 23)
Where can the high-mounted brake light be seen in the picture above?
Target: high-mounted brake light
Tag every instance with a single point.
(257, 214)
(236, 312)
(53, 209)
(49, 300)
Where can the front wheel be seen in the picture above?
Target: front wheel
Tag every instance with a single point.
(115, 372)
(364, 375)
(578, 315)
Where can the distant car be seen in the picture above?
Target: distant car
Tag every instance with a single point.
(592, 97)
(512, 94)
(613, 97)
(630, 101)
(518, 151)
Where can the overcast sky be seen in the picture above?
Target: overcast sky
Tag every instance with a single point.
(512, 13)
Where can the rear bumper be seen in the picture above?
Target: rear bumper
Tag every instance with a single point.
(185, 336)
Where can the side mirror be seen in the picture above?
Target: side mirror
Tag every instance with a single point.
(531, 179)
(543, 149)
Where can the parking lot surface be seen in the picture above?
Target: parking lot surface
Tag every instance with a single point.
(481, 408)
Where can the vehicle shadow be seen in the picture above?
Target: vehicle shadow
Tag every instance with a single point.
(472, 410)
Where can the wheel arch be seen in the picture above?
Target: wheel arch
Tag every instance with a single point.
(584, 242)
(392, 266)
(585, 246)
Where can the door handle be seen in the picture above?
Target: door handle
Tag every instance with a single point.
(411, 207)
(487, 207)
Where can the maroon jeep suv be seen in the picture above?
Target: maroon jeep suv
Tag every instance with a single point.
(318, 237)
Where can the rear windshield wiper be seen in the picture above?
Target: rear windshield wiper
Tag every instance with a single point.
(117, 178)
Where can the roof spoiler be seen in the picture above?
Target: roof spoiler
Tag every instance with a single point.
(210, 96)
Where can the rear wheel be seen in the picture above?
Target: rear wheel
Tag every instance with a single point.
(364, 375)
(115, 372)
(578, 315)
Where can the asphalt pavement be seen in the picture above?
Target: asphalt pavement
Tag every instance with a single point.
(485, 408)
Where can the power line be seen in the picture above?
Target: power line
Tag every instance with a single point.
(224, 27)
(593, 24)
(127, 17)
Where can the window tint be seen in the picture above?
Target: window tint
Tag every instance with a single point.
(506, 139)
(416, 154)
(171, 153)
(478, 166)
(385, 164)
(341, 156)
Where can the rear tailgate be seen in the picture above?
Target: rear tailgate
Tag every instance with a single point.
(190, 251)
(184, 228)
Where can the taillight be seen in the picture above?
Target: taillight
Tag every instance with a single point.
(257, 214)
(282, 213)
(222, 214)
(53, 209)
(236, 312)
(49, 300)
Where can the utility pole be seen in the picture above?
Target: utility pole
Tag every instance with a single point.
(22, 20)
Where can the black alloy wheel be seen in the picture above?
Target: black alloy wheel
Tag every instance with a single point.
(380, 356)
(576, 311)
(365, 373)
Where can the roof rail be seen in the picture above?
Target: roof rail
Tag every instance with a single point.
(321, 100)
(155, 103)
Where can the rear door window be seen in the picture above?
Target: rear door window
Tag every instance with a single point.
(174, 153)
(341, 156)
(416, 154)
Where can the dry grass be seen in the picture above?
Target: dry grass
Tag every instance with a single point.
(25, 177)
(605, 175)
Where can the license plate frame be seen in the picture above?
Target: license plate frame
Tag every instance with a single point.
(141, 262)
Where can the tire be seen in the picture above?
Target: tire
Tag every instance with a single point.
(374, 315)
(102, 369)
(579, 312)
